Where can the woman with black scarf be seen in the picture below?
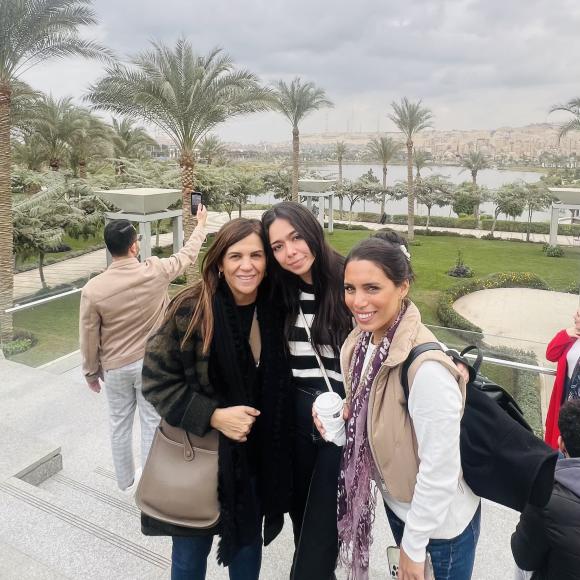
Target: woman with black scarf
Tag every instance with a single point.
(200, 372)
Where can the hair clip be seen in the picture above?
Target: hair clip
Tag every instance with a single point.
(406, 252)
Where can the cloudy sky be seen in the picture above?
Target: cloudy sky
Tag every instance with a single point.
(475, 63)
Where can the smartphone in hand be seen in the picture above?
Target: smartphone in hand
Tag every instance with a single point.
(196, 201)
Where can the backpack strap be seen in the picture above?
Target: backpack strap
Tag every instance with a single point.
(416, 351)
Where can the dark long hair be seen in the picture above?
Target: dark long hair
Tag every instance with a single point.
(332, 321)
(203, 291)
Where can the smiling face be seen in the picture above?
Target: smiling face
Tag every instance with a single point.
(372, 297)
(243, 267)
(290, 249)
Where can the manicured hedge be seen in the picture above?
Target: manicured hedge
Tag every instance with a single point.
(469, 223)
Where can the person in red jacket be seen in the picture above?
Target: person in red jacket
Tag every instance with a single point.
(564, 349)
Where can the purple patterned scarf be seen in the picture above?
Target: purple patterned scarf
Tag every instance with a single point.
(356, 497)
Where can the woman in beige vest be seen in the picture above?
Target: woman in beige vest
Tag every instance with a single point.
(410, 450)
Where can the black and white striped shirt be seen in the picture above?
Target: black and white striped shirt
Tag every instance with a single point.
(305, 369)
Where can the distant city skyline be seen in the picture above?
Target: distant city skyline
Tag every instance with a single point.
(477, 64)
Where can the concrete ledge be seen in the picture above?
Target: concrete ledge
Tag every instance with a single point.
(27, 457)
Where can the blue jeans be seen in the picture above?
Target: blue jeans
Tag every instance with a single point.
(452, 559)
(189, 559)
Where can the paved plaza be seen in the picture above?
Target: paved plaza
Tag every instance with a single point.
(77, 525)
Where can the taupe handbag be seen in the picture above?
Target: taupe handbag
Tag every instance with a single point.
(179, 484)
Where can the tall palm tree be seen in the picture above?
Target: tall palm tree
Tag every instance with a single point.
(340, 151)
(572, 107)
(383, 149)
(184, 94)
(296, 101)
(410, 118)
(211, 146)
(33, 31)
(474, 162)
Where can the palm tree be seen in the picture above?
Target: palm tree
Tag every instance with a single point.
(340, 151)
(33, 31)
(421, 160)
(410, 118)
(384, 149)
(29, 151)
(55, 124)
(92, 139)
(211, 146)
(572, 107)
(296, 101)
(184, 94)
(129, 142)
(474, 162)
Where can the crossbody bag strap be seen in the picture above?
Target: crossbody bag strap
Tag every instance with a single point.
(415, 352)
(322, 369)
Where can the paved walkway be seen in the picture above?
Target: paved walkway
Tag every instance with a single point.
(69, 271)
(521, 318)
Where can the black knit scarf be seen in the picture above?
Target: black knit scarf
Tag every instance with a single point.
(231, 361)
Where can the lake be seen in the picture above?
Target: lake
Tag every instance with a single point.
(492, 178)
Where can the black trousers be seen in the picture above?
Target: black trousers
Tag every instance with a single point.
(313, 513)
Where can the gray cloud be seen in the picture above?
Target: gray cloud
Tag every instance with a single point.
(476, 63)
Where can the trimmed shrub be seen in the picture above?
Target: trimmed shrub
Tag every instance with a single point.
(341, 226)
(23, 340)
(553, 251)
(460, 270)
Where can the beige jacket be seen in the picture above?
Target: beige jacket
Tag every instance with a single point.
(391, 436)
(123, 305)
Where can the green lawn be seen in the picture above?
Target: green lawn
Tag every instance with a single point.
(56, 323)
(437, 254)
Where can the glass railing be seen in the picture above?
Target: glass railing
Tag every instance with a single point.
(46, 330)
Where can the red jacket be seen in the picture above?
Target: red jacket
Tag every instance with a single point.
(556, 352)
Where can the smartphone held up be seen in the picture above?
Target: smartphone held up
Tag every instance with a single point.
(196, 201)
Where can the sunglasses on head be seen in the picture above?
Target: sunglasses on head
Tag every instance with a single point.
(131, 227)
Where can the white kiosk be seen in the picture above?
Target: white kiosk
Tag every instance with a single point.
(320, 189)
(567, 198)
(145, 205)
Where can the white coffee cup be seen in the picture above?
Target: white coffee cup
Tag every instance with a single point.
(328, 407)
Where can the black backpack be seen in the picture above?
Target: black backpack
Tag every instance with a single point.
(476, 380)
(501, 458)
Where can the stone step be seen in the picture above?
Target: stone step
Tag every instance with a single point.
(48, 529)
(97, 499)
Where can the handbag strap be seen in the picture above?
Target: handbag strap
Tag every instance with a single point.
(322, 369)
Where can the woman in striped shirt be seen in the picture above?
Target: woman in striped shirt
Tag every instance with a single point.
(307, 275)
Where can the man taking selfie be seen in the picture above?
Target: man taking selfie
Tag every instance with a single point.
(119, 309)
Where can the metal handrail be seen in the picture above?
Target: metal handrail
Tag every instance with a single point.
(41, 301)
(516, 365)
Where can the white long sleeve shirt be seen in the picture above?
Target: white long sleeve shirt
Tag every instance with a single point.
(442, 504)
